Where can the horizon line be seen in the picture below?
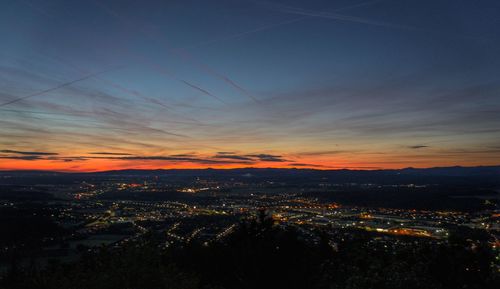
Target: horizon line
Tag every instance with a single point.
(254, 168)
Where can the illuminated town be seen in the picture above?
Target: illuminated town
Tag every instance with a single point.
(116, 210)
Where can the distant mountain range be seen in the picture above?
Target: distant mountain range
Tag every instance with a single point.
(435, 171)
(457, 188)
(488, 174)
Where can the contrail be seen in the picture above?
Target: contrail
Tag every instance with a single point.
(104, 127)
(200, 65)
(121, 88)
(240, 34)
(89, 114)
(202, 90)
(186, 56)
(340, 17)
(183, 53)
(83, 71)
(165, 72)
(335, 16)
(54, 88)
(144, 60)
(262, 28)
(273, 25)
(155, 65)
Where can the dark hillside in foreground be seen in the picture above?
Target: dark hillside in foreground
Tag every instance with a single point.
(261, 255)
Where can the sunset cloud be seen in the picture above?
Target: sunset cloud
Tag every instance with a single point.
(28, 153)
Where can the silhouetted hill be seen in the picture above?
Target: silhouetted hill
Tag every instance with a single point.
(486, 175)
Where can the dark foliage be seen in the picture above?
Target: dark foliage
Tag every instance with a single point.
(259, 254)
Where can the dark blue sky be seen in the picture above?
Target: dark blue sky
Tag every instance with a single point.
(365, 84)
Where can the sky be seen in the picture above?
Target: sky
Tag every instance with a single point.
(103, 85)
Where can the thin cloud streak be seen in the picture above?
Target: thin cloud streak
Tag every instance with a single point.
(28, 153)
(416, 147)
(272, 25)
(335, 16)
(55, 87)
(155, 65)
(244, 33)
(183, 54)
(211, 71)
(110, 153)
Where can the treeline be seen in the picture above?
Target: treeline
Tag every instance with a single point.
(261, 255)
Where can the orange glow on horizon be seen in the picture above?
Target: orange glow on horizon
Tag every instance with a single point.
(95, 165)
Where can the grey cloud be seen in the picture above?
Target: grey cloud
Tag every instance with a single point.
(249, 157)
(183, 155)
(219, 158)
(418, 147)
(268, 157)
(25, 158)
(321, 153)
(172, 158)
(29, 153)
(232, 156)
(109, 153)
(69, 159)
(306, 165)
